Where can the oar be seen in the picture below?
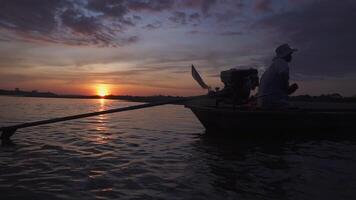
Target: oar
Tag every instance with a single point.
(199, 79)
(8, 131)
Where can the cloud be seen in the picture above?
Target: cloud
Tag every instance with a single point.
(196, 32)
(219, 33)
(184, 18)
(85, 22)
(79, 23)
(150, 5)
(179, 17)
(153, 26)
(92, 22)
(204, 5)
(207, 4)
(143, 77)
(118, 8)
(231, 33)
(136, 17)
(324, 31)
(194, 17)
(109, 8)
(263, 5)
(33, 15)
(226, 16)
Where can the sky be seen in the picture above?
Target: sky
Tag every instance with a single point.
(146, 47)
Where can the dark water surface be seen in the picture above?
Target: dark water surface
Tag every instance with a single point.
(160, 153)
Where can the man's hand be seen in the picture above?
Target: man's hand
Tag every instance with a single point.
(292, 88)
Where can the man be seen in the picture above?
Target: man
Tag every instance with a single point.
(274, 85)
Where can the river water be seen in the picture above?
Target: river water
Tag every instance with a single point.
(160, 153)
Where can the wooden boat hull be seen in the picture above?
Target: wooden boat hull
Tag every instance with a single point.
(244, 122)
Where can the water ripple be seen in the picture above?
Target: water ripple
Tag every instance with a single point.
(134, 155)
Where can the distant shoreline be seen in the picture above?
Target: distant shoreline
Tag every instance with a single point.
(19, 93)
(158, 98)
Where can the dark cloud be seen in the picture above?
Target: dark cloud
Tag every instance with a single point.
(206, 5)
(150, 5)
(228, 16)
(111, 8)
(79, 23)
(195, 17)
(239, 4)
(324, 31)
(179, 17)
(263, 5)
(153, 26)
(30, 15)
(132, 39)
(232, 11)
(88, 22)
(195, 32)
(91, 30)
(184, 18)
(118, 8)
(136, 17)
(230, 33)
(220, 33)
(97, 22)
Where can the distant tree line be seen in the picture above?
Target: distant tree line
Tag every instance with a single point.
(33, 93)
(334, 97)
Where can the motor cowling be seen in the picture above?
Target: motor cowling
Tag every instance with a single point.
(238, 84)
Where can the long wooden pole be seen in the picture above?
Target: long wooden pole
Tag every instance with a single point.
(8, 131)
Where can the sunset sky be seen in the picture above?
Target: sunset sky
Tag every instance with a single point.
(146, 47)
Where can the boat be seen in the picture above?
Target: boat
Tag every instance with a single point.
(248, 121)
(233, 110)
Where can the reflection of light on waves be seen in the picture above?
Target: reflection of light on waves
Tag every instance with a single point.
(102, 104)
(102, 136)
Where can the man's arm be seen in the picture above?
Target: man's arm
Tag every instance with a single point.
(290, 89)
(285, 81)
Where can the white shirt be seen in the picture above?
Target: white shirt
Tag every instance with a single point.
(274, 84)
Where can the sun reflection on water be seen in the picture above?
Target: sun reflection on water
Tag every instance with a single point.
(102, 104)
(102, 135)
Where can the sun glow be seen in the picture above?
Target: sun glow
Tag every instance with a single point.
(102, 90)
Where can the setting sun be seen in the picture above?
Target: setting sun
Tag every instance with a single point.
(102, 90)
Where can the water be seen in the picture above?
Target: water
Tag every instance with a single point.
(160, 153)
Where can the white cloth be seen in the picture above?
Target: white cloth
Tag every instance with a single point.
(274, 84)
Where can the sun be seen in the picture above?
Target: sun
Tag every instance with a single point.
(102, 90)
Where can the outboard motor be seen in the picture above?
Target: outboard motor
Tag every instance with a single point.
(238, 84)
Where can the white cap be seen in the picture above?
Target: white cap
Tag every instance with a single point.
(284, 50)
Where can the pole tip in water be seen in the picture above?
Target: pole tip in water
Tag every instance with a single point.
(6, 135)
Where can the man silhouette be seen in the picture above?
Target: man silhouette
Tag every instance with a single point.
(274, 85)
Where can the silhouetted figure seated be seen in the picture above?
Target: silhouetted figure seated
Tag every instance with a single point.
(274, 85)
